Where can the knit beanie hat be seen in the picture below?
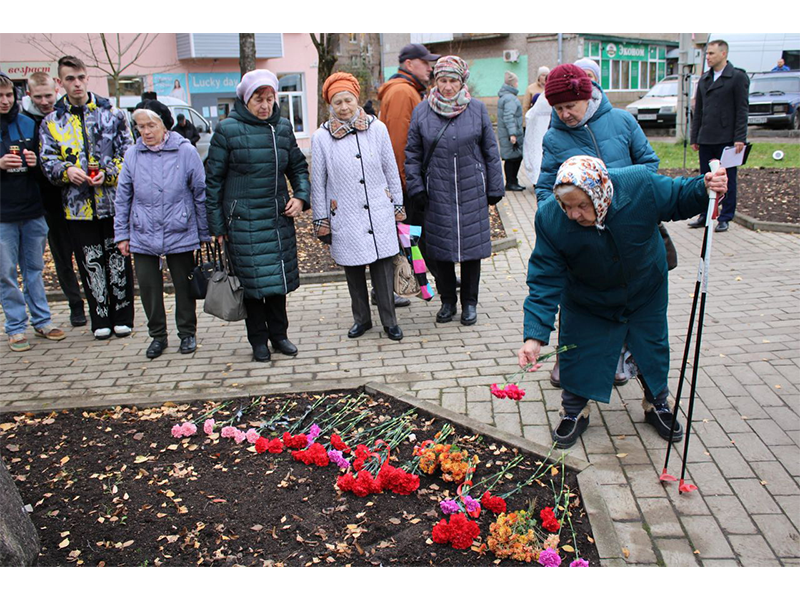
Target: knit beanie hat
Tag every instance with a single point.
(451, 66)
(567, 83)
(340, 82)
(160, 109)
(542, 71)
(587, 64)
(511, 79)
(254, 80)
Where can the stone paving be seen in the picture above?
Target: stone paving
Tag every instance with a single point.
(744, 454)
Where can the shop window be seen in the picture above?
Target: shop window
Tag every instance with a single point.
(292, 100)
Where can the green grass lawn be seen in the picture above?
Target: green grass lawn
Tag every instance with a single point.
(671, 155)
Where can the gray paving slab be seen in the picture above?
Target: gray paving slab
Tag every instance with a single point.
(744, 455)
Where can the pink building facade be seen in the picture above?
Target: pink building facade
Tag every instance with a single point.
(200, 69)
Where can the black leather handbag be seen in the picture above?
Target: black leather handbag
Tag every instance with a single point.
(204, 268)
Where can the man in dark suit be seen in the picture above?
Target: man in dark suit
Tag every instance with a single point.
(720, 120)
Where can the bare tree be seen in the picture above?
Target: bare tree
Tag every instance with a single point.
(106, 52)
(327, 46)
(247, 52)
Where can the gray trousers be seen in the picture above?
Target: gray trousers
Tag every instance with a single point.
(151, 292)
(382, 275)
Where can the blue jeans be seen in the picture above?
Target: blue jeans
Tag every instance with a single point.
(22, 243)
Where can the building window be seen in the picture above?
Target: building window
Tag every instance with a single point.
(292, 100)
(627, 67)
(128, 86)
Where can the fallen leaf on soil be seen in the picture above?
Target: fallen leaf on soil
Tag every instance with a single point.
(567, 548)
(64, 533)
(257, 527)
(393, 521)
(64, 544)
(553, 471)
(141, 459)
(64, 460)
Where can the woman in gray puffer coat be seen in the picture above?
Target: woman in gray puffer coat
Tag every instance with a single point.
(160, 211)
(453, 172)
(356, 197)
(509, 130)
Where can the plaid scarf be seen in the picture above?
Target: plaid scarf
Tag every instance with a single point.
(338, 128)
(449, 107)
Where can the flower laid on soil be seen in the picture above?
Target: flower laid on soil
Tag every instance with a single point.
(510, 389)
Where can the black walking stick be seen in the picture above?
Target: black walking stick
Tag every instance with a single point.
(700, 291)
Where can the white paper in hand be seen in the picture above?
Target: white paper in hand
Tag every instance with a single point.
(731, 159)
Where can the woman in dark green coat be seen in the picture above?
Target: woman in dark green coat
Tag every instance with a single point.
(599, 255)
(252, 153)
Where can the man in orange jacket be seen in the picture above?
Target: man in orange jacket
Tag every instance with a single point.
(398, 97)
(401, 93)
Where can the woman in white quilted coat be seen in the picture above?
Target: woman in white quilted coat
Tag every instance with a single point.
(356, 198)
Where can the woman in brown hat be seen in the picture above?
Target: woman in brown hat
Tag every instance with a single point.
(356, 197)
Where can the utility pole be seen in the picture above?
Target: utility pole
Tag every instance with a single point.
(685, 70)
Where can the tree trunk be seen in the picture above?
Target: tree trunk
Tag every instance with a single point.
(327, 45)
(247, 52)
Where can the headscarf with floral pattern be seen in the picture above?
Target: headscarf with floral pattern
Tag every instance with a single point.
(590, 175)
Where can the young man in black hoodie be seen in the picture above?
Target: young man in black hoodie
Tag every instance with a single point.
(40, 102)
(23, 229)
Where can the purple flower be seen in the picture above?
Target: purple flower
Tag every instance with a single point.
(313, 433)
(449, 507)
(337, 457)
(471, 504)
(549, 558)
(579, 562)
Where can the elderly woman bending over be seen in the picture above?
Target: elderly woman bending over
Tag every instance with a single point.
(356, 197)
(453, 171)
(599, 254)
(160, 211)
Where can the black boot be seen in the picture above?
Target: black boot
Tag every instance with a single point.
(261, 353)
(660, 417)
(446, 313)
(570, 428)
(469, 315)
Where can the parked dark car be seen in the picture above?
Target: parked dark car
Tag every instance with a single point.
(774, 99)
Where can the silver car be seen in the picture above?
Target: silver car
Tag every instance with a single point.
(659, 106)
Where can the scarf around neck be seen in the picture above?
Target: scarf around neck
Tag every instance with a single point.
(358, 122)
(160, 146)
(449, 107)
(591, 109)
(590, 175)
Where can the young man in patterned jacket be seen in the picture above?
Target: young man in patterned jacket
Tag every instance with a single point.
(82, 130)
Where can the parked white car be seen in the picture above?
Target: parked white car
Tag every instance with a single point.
(177, 107)
(659, 106)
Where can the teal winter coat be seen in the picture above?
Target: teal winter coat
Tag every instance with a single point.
(613, 135)
(509, 122)
(246, 194)
(611, 283)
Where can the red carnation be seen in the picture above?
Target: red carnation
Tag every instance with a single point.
(295, 442)
(549, 521)
(441, 532)
(460, 532)
(338, 444)
(261, 444)
(345, 482)
(493, 503)
(275, 446)
(314, 454)
(366, 484)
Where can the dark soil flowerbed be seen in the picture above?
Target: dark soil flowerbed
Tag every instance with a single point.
(114, 488)
(763, 194)
(312, 255)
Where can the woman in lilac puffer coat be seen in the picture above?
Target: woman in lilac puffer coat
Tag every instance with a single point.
(161, 211)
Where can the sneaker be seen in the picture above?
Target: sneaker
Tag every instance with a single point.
(122, 330)
(660, 417)
(570, 428)
(49, 332)
(18, 342)
(102, 334)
